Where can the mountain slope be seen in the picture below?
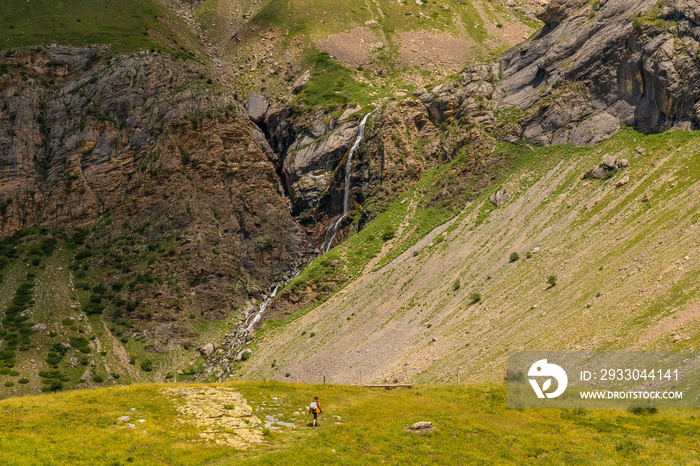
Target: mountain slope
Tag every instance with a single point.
(625, 261)
(384, 45)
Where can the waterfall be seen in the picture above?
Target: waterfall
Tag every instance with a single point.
(240, 336)
(333, 228)
(259, 314)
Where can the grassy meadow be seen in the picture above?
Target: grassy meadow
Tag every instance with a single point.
(358, 426)
(127, 25)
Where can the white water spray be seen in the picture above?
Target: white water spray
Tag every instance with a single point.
(333, 228)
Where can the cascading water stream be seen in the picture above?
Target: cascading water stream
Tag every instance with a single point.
(333, 228)
(240, 336)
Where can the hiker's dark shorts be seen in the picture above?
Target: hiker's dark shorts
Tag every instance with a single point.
(315, 416)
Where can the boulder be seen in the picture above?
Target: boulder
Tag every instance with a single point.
(598, 172)
(610, 161)
(622, 181)
(257, 107)
(301, 81)
(208, 349)
(239, 356)
(499, 198)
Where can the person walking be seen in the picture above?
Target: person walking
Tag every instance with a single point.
(315, 409)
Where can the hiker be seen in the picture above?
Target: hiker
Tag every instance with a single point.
(315, 409)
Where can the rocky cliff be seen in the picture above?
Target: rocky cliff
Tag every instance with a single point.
(602, 66)
(178, 190)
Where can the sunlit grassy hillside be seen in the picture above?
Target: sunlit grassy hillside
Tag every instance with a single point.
(125, 24)
(358, 426)
(436, 287)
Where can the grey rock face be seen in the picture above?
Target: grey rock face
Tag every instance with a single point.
(309, 164)
(595, 68)
(558, 10)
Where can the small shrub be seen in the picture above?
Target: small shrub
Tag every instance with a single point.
(303, 333)
(266, 432)
(627, 446)
(475, 297)
(147, 365)
(23, 380)
(552, 280)
(639, 411)
(528, 255)
(514, 257)
(97, 379)
(245, 356)
(287, 374)
(456, 285)
(388, 233)
(9, 383)
(312, 335)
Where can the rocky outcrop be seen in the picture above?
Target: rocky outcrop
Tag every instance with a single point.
(140, 150)
(313, 158)
(606, 65)
(558, 10)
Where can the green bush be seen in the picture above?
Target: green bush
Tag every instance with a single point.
(9, 383)
(23, 380)
(245, 356)
(552, 280)
(475, 297)
(639, 411)
(147, 365)
(97, 378)
(456, 285)
(388, 233)
(627, 446)
(514, 257)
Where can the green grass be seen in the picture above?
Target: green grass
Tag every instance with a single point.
(126, 24)
(358, 426)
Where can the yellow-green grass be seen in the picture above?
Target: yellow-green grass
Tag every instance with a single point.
(473, 426)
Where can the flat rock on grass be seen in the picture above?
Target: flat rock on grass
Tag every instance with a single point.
(420, 427)
(222, 414)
